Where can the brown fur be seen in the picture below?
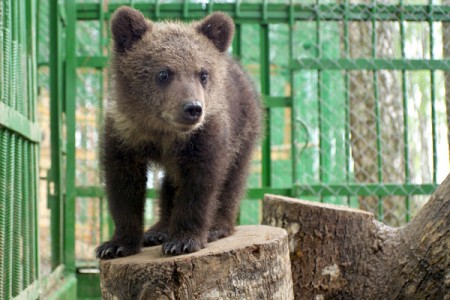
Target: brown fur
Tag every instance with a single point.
(205, 157)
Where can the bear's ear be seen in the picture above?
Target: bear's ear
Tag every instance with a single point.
(219, 28)
(127, 26)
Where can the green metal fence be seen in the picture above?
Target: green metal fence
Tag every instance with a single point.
(21, 275)
(355, 98)
(19, 143)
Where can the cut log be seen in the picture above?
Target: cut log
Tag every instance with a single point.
(253, 263)
(343, 253)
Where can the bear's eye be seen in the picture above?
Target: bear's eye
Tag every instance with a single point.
(163, 75)
(203, 76)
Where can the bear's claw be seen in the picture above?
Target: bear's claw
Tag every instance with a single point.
(113, 249)
(153, 237)
(179, 246)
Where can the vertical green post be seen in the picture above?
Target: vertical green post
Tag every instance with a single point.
(7, 254)
(265, 91)
(55, 175)
(99, 115)
(6, 51)
(293, 102)
(9, 153)
(14, 103)
(34, 230)
(3, 200)
(70, 98)
(19, 184)
(18, 219)
(237, 49)
(2, 28)
(32, 150)
(433, 93)
(27, 216)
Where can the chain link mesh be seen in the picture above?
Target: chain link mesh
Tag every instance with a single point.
(367, 120)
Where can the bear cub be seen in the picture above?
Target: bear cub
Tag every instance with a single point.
(178, 101)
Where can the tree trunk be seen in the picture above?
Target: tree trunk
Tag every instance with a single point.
(343, 253)
(251, 264)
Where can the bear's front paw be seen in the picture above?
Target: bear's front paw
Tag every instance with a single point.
(155, 236)
(113, 249)
(182, 245)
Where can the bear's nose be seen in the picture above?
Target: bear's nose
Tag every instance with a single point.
(192, 110)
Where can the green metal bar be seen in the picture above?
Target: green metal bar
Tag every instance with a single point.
(109, 219)
(55, 175)
(3, 200)
(380, 211)
(320, 100)
(291, 99)
(17, 173)
(265, 91)
(237, 42)
(2, 80)
(186, 9)
(13, 72)
(10, 195)
(22, 75)
(32, 58)
(326, 63)
(34, 228)
(362, 189)
(70, 98)
(92, 61)
(98, 192)
(18, 123)
(101, 205)
(102, 44)
(252, 193)
(6, 51)
(21, 45)
(28, 214)
(14, 103)
(273, 101)
(371, 64)
(277, 13)
(18, 219)
(347, 99)
(405, 114)
(32, 150)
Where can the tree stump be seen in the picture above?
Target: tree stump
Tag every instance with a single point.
(253, 263)
(343, 253)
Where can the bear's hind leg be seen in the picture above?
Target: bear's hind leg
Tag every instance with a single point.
(231, 194)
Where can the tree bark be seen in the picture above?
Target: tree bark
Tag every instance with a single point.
(343, 253)
(251, 264)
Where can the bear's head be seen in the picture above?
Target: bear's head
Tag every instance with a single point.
(168, 76)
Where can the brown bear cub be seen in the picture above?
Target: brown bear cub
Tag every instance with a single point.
(178, 101)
